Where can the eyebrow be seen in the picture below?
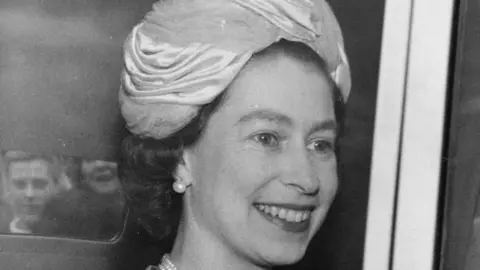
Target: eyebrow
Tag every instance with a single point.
(272, 116)
(266, 115)
(327, 125)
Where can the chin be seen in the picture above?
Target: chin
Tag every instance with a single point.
(283, 256)
(288, 259)
(31, 219)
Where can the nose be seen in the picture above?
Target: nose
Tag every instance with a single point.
(29, 192)
(300, 172)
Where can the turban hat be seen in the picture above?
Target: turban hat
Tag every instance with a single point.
(186, 52)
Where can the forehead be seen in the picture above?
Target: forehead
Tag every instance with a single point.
(283, 84)
(33, 168)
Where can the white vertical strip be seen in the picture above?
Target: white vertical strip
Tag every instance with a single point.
(423, 135)
(395, 42)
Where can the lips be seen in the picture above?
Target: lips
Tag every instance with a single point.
(291, 218)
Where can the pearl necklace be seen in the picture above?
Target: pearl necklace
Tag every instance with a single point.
(166, 264)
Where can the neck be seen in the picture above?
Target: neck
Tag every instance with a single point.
(197, 248)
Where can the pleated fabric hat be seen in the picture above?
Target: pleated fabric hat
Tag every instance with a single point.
(186, 52)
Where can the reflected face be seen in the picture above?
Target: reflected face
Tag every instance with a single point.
(30, 187)
(264, 173)
(101, 176)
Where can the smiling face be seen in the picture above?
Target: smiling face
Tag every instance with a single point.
(101, 176)
(263, 174)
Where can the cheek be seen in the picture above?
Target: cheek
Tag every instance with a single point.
(231, 183)
(17, 192)
(42, 194)
(328, 177)
(247, 171)
(231, 167)
(239, 176)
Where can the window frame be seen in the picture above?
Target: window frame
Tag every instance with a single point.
(408, 141)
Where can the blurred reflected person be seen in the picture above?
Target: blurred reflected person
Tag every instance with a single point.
(91, 209)
(29, 184)
(105, 206)
(101, 176)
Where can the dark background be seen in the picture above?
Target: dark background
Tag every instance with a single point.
(460, 242)
(60, 62)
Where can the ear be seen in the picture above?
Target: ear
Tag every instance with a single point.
(184, 171)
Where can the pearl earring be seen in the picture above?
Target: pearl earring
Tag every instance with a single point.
(179, 187)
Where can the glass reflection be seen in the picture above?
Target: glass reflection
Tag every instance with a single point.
(60, 196)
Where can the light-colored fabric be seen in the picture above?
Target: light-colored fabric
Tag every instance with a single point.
(14, 228)
(186, 52)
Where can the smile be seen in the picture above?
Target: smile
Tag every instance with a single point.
(289, 215)
(292, 219)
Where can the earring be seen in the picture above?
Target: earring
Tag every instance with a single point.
(179, 187)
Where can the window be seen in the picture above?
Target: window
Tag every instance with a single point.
(402, 231)
(60, 129)
(58, 196)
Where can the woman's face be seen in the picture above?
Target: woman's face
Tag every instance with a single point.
(263, 175)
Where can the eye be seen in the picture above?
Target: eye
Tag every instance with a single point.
(20, 184)
(40, 184)
(321, 146)
(267, 139)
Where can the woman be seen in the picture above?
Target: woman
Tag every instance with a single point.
(234, 108)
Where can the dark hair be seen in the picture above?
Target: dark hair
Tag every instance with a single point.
(146, 165)
(146, 168)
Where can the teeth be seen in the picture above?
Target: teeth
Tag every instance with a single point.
(274, 211)
(286, 214)
(298, 217)
(291, 215)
